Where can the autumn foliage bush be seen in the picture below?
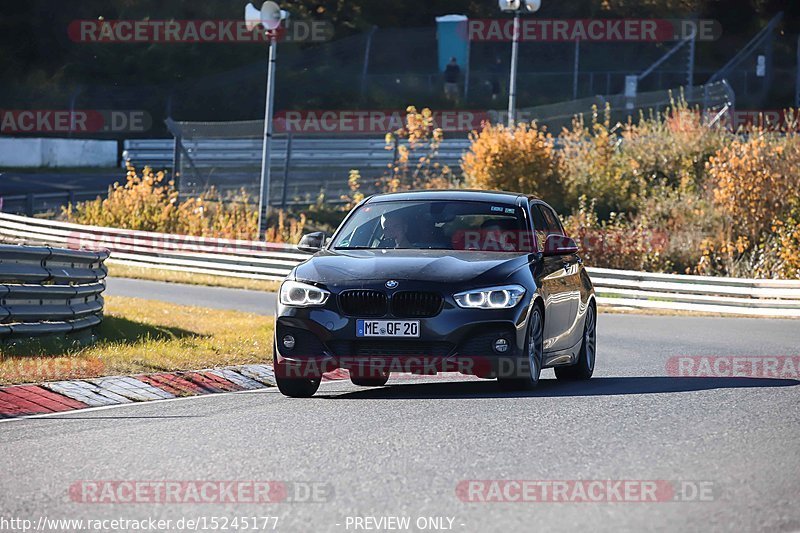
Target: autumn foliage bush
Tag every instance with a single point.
(755, 186)
(592, 163)
(521, 159)
(667, 192)
(621, 241)
(150, 202)
(416, 146)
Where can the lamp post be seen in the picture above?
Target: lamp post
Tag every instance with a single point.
(516, 7)
(269, 17)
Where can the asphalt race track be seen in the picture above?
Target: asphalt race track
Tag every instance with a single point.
(15, 182)
(402, 450)
(259, 302)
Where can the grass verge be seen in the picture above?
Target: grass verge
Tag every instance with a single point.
(170, 276)
(139, 336)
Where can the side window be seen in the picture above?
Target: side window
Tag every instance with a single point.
(554, 226)
(539, 225)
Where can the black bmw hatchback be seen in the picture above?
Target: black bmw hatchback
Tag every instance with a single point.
(482, 283)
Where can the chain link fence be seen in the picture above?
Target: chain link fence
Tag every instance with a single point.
(227, 155)
(390, 68)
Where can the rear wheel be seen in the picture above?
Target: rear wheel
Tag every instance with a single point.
(584, 368)
(373, 380)
(535, 348)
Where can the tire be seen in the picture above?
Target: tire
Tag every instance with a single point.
(584, 368)
(534, 342)
(293, 387)
(297, 388)
(376, 381)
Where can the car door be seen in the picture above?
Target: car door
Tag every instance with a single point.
(572, 279)
(555, 288)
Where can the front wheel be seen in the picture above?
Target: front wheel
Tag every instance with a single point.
(297, 388)
(584, 368)
(294, 387)
(535, 348)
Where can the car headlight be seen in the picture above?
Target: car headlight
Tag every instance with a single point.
(298, 294)
(490, 298)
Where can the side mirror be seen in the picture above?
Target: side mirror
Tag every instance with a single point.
(312, 242)
(559, 245)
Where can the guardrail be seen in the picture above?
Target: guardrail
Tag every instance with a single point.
(200, 255)
(268, 261)
(49, 291)
(304, 153)
(302, 167)
(740, 296)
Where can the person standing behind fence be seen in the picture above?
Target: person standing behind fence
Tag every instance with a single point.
(452, 72)
(494, 80)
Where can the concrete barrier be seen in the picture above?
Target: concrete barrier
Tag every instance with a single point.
(54, 153)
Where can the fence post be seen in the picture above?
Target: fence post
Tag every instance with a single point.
(364, 70)
(797, 82)
(394, 157)
(576, 66)
(176, 164)
(690, 65)
(286, 166)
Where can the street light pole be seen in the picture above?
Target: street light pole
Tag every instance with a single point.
(516, 7)
(512, 83)
(269, 17)
(266, 153)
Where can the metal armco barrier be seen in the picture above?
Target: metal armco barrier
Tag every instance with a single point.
(49, 291)
(737, 296)
(200, 255)
(304, 152)
(268, 261)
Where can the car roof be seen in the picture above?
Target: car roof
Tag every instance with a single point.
(498, 197)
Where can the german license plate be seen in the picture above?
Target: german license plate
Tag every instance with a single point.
(387, 328)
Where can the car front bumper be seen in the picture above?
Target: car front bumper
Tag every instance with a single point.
(455, 340)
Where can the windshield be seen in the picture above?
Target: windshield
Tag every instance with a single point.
(436, 225)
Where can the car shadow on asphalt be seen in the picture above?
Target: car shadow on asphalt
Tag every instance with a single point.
(600, 386)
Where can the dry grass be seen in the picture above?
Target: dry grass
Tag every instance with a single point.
(139, 336)
(124, 271)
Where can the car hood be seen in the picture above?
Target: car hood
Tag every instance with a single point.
(346, 268)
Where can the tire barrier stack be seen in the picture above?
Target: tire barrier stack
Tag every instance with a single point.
(49, 291)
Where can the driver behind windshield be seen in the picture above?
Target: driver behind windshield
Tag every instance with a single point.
(395, 231)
